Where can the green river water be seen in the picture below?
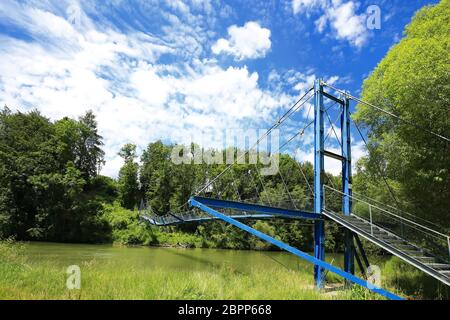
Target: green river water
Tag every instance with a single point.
(165, 258)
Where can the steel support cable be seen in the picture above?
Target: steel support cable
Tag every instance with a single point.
(388, 113)
(267, 133)
(391, 214)
(397, 209)
(280, 121)
(332, 128)
(259, 140)
(235, 187)
(287, 189)
(387, 185)
(262, 184)
(335, 134)
(255, 185)
(301, 133)
(329, 131)
(391, 192)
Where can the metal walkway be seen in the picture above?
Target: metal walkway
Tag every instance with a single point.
(197, 202)
(413, 239)
(248, 211)
(412, 254)
(172, 220)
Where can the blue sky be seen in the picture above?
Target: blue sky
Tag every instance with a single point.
(173, 69)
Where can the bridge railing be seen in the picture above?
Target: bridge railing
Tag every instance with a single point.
(413, 230)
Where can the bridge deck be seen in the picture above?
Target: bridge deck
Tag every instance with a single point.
(161, 221)
(410, 253)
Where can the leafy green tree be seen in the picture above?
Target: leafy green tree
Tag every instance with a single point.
(412, 81)
(26, 149)
(90, 156)
(128, 177)
(156, 176)
(43, 192)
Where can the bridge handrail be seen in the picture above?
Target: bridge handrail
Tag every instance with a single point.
(392, 214)
(396, 209)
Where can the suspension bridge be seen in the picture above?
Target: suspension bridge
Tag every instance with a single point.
(412, 239)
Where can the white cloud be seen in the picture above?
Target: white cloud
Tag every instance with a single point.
(305, 83)
(340, 15)
(300, 6)
(321, 23)
(248, 42)
(347, 24)
(118, 75)
(151, 88)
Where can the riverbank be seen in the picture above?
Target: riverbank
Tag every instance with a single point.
(38, 271)
(23, 277)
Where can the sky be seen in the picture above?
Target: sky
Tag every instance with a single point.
(189, 70)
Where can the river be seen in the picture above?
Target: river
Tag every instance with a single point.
(165, 258)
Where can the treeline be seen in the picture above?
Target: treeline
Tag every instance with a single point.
(413, 82)
(51, 190)
(49, 183)
(164, 186)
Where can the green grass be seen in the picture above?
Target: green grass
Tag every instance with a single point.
(23, 280)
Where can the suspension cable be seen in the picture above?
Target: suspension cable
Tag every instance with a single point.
(388, 113)
(397, 209)
(329, 131)
(332, 128)
(390, 213)
(262, 184)
(391, 192)
(292, 110)
(287, 189)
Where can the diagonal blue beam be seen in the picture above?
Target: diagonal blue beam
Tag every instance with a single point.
(301, 254)
(240, 206)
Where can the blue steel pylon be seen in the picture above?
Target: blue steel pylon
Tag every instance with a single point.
(349, 254)
(319, 171)
(319, 178)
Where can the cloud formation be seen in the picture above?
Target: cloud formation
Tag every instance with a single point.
(250, 41)
(143, 82)
(73, 63)
(340, 16)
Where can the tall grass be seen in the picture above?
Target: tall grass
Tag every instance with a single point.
(108, 280)
(414, 283)
(22, 279)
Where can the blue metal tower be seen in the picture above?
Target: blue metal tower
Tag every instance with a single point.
(319, 177)
(354, 226)
(349, 255)
(319, 172)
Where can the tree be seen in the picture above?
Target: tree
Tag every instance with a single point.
(412, 81)
(156, 176)
(43, 192)
(128, 184)
(90, 156)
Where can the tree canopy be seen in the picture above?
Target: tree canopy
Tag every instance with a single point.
(49, 181)
(413, 82)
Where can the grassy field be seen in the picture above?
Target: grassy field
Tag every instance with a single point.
(20, 279)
